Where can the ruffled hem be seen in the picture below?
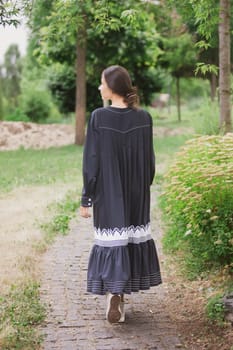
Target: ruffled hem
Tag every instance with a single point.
(123, 269)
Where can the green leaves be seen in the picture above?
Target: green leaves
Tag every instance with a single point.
(180, 54)
(199, 200)
(9, 13)
(65, 211)
(130, 16)
(12, 11)
(205, 68)
(206, 16)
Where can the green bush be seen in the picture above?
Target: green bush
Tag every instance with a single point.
(16, 116)
(36, 105)
(198, 200)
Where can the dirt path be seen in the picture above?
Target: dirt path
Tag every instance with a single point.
(21, 211)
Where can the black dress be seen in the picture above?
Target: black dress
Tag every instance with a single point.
(118, 169)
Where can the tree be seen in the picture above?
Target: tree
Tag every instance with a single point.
(210, 17)
(194, 14)
(12, 73)
(179, 56)
(71, 25)
(64, 22)
(81, 52)
(225, 66)
(218, 13)
(114, 47)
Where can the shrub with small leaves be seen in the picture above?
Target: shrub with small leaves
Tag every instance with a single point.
(198, 200)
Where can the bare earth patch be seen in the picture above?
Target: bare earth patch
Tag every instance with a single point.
(21, 212)
(162, 131)
(14, 135)
(186, 303)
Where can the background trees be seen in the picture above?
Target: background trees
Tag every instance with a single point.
(212, 21)
(92, 35)
(71, 42)
(12, 68)
(179, 57)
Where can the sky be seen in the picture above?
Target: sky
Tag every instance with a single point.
(11, 35)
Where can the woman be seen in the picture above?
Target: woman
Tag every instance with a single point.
(118, 169)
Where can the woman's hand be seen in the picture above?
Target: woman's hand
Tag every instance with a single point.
(84, 212)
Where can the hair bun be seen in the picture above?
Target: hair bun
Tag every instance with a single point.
(131, 94)
(131, 98)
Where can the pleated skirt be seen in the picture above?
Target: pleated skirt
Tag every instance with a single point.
(123, 261)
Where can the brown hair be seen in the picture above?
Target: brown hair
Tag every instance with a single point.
(119, 81)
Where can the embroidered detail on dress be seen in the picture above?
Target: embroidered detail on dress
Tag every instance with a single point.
(121, 231)
(122, 236)
(126, 131)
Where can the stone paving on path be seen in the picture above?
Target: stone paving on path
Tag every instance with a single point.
(76, 319)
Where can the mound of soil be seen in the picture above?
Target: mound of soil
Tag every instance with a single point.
(14, 135)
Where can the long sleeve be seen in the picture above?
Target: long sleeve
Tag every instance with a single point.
(90, 163)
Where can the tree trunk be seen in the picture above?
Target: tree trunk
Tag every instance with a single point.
(213, 86)
(224, 67)
(178, 98)
(80, 103)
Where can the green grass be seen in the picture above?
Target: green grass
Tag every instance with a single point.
(165, 150)
(20, 311)
(39, 167)
(169, 145)
(199, 113)
(63, 211)
(63, 164)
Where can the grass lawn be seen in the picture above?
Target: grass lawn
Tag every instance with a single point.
(39, 167)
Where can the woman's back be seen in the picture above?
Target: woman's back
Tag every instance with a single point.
(127, 164)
